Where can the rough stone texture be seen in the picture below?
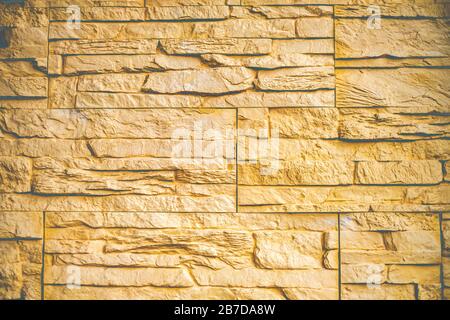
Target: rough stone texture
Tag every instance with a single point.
(149, 251)
(224, 149)
(380, 263)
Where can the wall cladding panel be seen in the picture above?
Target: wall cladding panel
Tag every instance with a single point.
(224, 149)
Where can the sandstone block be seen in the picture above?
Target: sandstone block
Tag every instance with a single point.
(100, 14)
(294, 79)
(21, 87)
(405, 87)
(312, 46)
(20, 270)
(414, 274)
(93, 47)
(24, 43)
(15, 174)
(111, 123)
(23, 17)
(307, 172)
(137, 277)
(104, 100)
(283, 250)
(383, 292)
(217, 46)
(319, 98)
(405, 172)
(213, 81)
(21, 225)
(341, 198)
(33, 148)
(111, 83)
(420, 38)
(146, 293)
(266, 278)
(315, 27)
(393, 10)
(204, 199)
(276, 12)
(188, 13)
(126, 63)
(63, 92)
(397, 123)
(311, 294)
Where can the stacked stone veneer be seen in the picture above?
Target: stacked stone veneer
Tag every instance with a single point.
(358, 208)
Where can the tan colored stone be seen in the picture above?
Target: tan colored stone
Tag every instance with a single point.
(382, 292)
(23, 17)
(236, 28)
(55, 64)
(420, 38)
(311, 294)
(311, 46)
(289, 60)
(364, 273)
(170, 3)
(392, 123)
(429, 292)
(111, 83)
(15, 174)
(258, 278)
(23, 87)
(216, 199)
(362, 240)
(307, 172)
(24, 43)
(20, 270)
(389, 257)
(91, 47)
(62, 92)
(405, 172)
(235, 221)
(283, 250)
(146, 293)
(342, 198)
(389, 221)
(294, 79)
(92, 3)
(331, 259)
(305, 122)
(21, 225)
(100, 100)
(414, 274)
(319, 98)
(17, 68)
(127, 63)
(325, 150)
(393, 10)
(136, 277)
(420, 241)
(43, 148)
(392, 62)
(79, 181)
(111, 123)
(99, 14)
(214, 81)
(218, 46)
(404, 87)
(276, 12)
(312, 27)
(188, 13)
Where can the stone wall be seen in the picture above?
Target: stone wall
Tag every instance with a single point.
(351, 202)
